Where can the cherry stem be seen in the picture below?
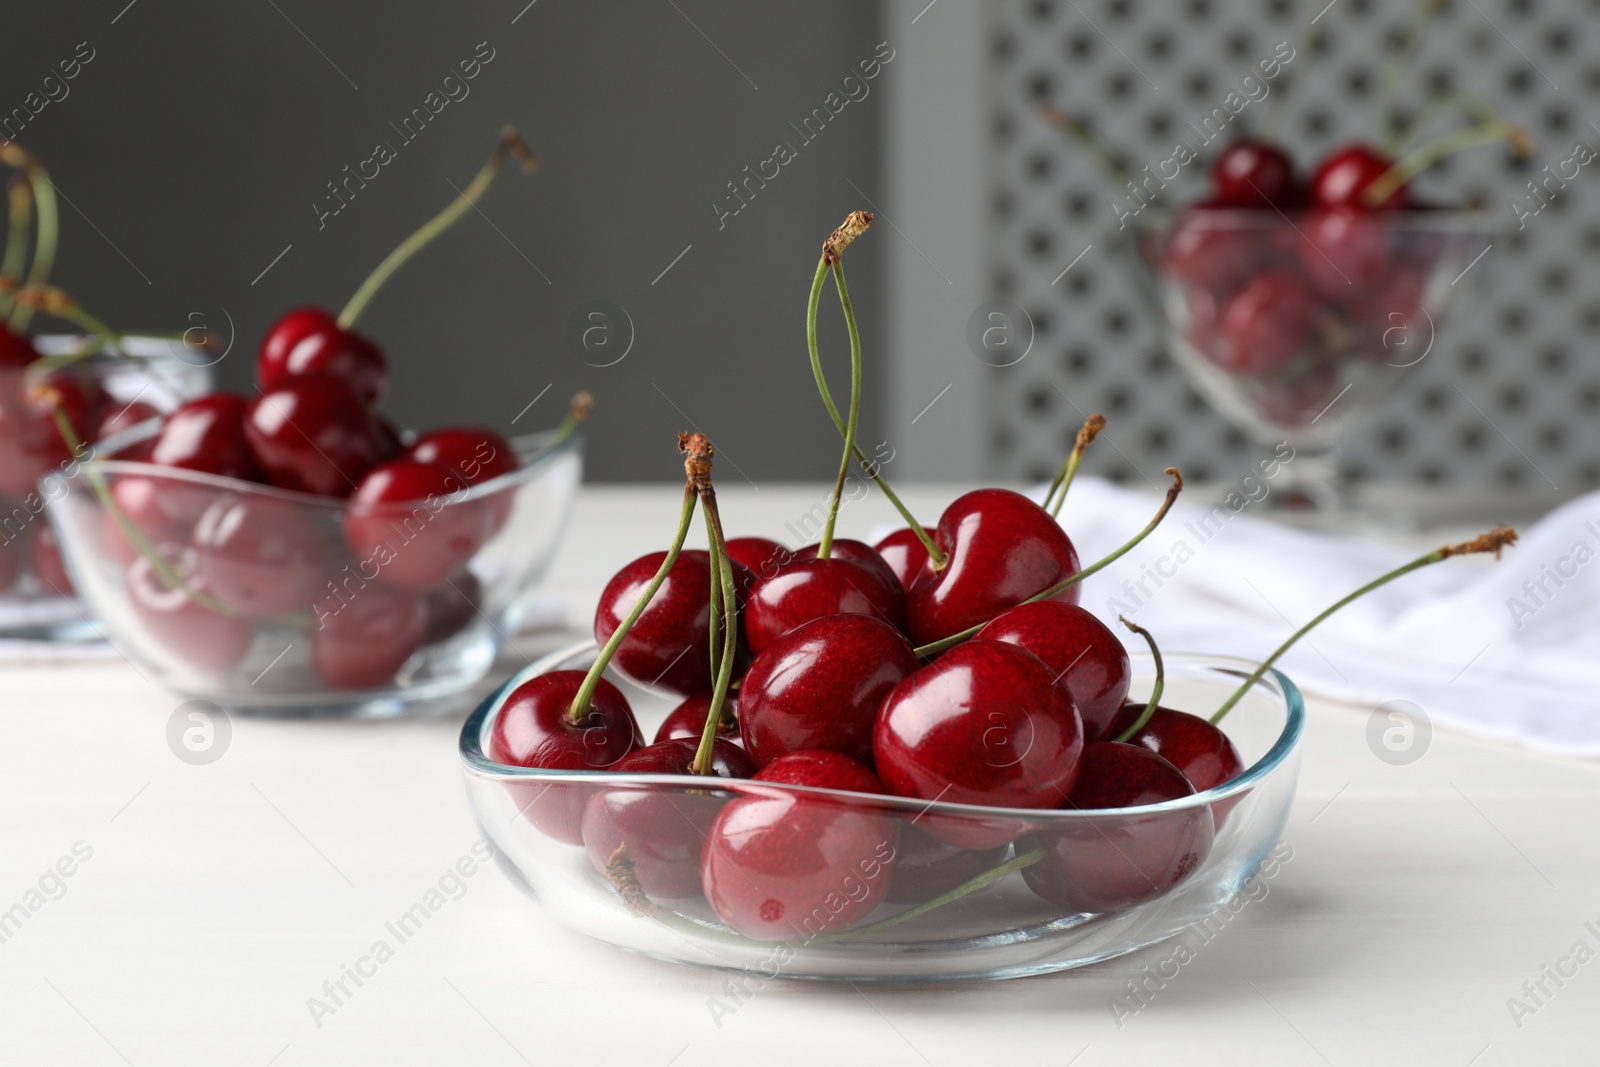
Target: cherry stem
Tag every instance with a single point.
(1475, 106)
(57, 303)
(935, 556)
(579, 708)
(1401, 48)
(509, 144)
(1155, 692)
(19, 223)
(1420, 159)
(1077, 131)
(578, 411)
(933, 648)
(1493, 541)
(825, 546)
(728, 602)
(49, 224)
(1069, 470)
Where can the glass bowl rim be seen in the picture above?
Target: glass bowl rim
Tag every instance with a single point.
(477, 762)
(1463, 220)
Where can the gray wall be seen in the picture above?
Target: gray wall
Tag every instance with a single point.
(194, 144)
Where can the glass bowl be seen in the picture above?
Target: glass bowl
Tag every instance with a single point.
(1294, 325)
(36, 597)
(270, 601)
(895, 902)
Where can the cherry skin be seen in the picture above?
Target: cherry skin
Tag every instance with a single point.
(453, 606)
(905, 554)
(309, 432)
(12, 555)
(1267, 323)
(16, 350)
(1109, 862)
(476, 454)
(985, 723)
(1081, 651)
(688, 719)
(402, 517)
(310, 341)
(531, 731)
(663, 829)
(362, 642)
(854, 580)
(1254, 174)
(669, 645)
(1343, 176)
(207, 435)
(260, 557)
(44, 555)
(821, 769)
(1001, 549)
(187, 630)
(1211, 251)
(1346, 251)
(1200, 751)
(819, 686)
(760, 555)
(161, 509)
(80, 398)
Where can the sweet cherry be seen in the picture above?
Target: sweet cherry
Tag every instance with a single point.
(311, 341)
(260, 557)
(688, 720)
(207, 640)
(310, 432)
(207, 434)
(402, 517)
(905, 554)
(366, 640)
(669, 645)
(854, 580)
(1267, 323)
(1343, 176)
(1252, 173)
(1083, 654)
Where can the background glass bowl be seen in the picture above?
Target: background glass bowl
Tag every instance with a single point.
(1338, 312)
(1002, 930)
(36, 600)
(351, 644)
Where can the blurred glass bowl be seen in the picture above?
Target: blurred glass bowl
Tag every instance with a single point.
(1295, 325)
(1000, 930)
(255, 598)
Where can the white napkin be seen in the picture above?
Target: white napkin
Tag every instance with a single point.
(1501, 650)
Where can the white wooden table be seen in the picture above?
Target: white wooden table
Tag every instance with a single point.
(208, 904)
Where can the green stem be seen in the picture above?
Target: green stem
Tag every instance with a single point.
(1493, 541)
(719, 694)
(1475, 106)
(1420, 159)
(19, 225)
(825, 548)
(933, 648)
(715, 627)
(577, 412)
(1069, 470)
(1111, 168)
(1394, 65)
(580, 702)
(1155, 692)
(48, 230)
(509, 144)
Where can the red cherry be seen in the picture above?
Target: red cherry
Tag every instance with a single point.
(16, 350)
(1001, 549)
(1210, 250)
(1254, 174)
(310, 341)
(11, 562)
(819, 686)
(48, 565)
(361, 643)
(760, 555)
(309, 432)
(1345, 251)
(402, 517)
(1343, 176)
(1267, 323)
(670, 644)
(688, 719)
(1201, 751)
(82, 399)
(807, 588)
(984, 723)
(925, 867)
(1081, 651)
(905, 554)
(207, 434)
(260, 557)
(476, 454)
(531, 731)
(1113, 861)
(207, 640)
(821, 769)
(159, 508)
(453, 605)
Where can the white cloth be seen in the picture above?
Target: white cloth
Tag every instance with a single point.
(1501, 650)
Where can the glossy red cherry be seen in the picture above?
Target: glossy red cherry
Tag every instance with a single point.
(760, 555)
(821, 769)
(1254, 174)
(1267, 323)
(1116, 860)
(163, 510)
(407, 518)
(1083, 654)
(361, 643)
(1343, 177)
(1201, 751)
(476, 454)
(1212, 250)
(905, 554)
(1345, 252)
(81, 398)
(819, 686)
(1001, 549)
(310, 432)
(187, 630)
(207, 434)
(310, 341)
(670, 644)
(16, 350)
(688, 719)
(852, 581)
(260, 557)
(531, 730)
(985, 723)
(453, 606)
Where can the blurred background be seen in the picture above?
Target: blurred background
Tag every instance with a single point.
(196, 148)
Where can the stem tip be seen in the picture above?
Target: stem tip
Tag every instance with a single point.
(697, 464)
(854, 225)
(1496, 539)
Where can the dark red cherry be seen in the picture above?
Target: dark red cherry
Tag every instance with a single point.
(1083, 654)
(81, 398)
(1343, 177)
(670, 644)
(408, 519)
(310, 341)
(453, 606)
(1001, 549)
(1200, 750)
(905, 554)
(311, 433)
(207, 434)
(187, 630)
(390, 441)
(985, 723)
(1267, 323)
(260, 557)
(821, 769)
(819, 686)
(806, 589)
(476, 454)
(760, 555)
(688, 719)
(16, 350)
(361, 643)
(1254, 174)
(1345, 251)
(1212, 250)
(925, 866)
(531, 731)
(163, 510)
(1119, 859)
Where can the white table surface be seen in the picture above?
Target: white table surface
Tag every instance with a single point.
(219, 898)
